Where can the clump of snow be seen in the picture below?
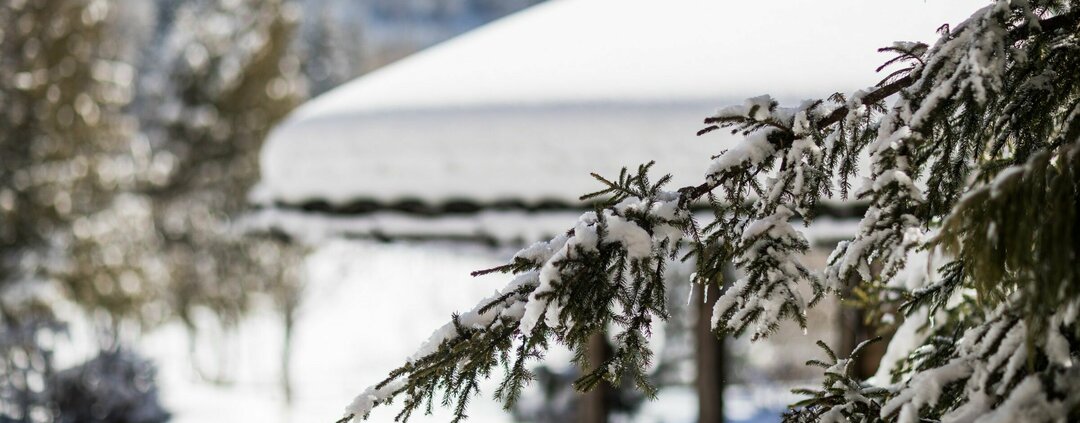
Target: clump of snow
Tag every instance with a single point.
(634, 238)
(372, 396)
(757, 108)
(541, 251)
(751, 151)
(930, 385)
(477, 320)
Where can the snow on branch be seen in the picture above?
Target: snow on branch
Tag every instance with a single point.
(989, 363)
(770, 291)
(566, 289)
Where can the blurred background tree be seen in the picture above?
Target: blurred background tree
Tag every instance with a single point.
(228, 73)
(129, 139)
(125, 211)
(64, 142)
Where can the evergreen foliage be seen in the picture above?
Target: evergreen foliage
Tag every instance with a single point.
(843, 396)
(61, 127)
(974, 147)
(108, 205)
(62, 150)
(214, 96)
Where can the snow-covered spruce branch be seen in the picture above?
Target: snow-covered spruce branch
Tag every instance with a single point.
(995, 371)
(1000, 256)
(607, 270)
(962, 74)
(611, 263)
(997, 144)
(847, 397)
(1005, 371)
(613, 257)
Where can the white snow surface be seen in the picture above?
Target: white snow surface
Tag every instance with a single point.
(524, 108)
(366, 307)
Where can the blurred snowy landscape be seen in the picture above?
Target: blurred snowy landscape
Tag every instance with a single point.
(392, 296)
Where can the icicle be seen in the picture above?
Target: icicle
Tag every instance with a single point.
(690, 295)
(705, 296)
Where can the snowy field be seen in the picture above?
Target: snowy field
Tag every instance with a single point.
(367, 306)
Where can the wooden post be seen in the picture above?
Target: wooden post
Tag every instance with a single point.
(286, 352)
(595, 405)
(710, 358)
(854, 330)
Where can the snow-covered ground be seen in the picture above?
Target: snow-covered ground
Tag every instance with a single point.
(367, 306)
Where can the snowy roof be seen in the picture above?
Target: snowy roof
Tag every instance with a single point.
(521, 111)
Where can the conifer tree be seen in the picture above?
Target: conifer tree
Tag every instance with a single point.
(63, 135)
(99, 211)
(63, 148)
(973, 183)
(219, 89)
(65, 178)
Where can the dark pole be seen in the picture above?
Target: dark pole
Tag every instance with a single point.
(710, 357)
(595, 405)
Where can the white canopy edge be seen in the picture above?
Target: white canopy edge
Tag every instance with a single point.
(525, 108)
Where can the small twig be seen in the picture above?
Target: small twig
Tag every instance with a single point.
(345, 419)
(497, 269)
